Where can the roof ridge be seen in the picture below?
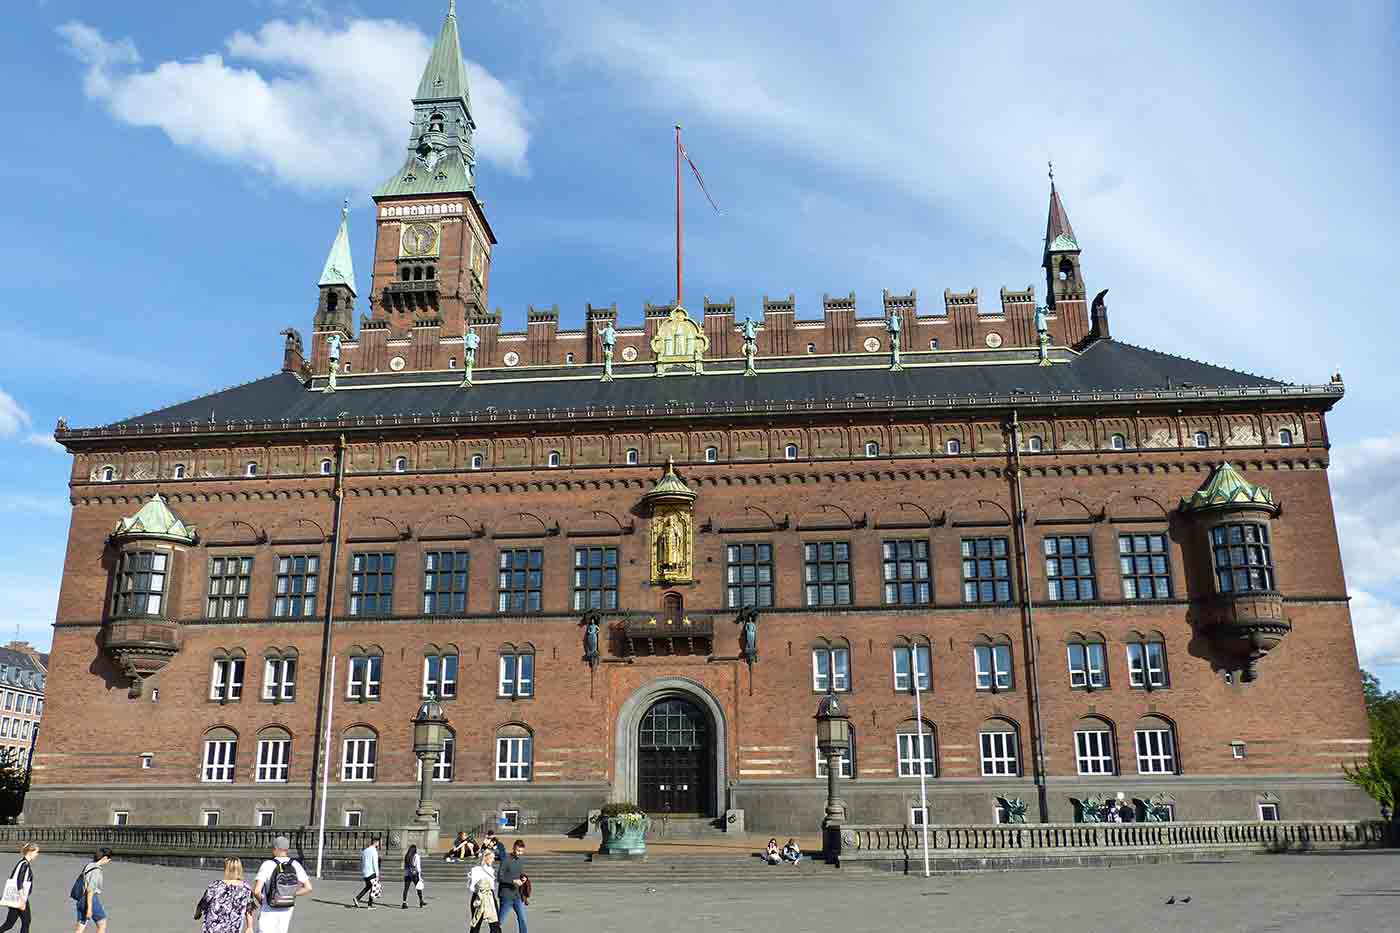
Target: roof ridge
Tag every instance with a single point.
(1192, 359)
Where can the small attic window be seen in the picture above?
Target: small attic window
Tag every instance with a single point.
(872, 449)
(1285, 437)
(1035, 444)
(554, 459)
(108, 474)
(1201, 439)
(569, 359)
(1118, 442)
(326, 466)
(347, 367)
(711, 454)
(250, 468)
(954, 446)
(933, 344)
(452, 362)
(633, 457)
(400, 464)
(811, 348)
(790, 452)
(179, 471)
(477, 460)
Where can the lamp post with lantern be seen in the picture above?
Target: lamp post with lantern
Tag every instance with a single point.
(429, 740)
(833, 739)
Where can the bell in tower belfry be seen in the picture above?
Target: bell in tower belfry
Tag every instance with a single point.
(337, 284)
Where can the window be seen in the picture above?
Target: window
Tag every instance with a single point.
(513, 757)
(250, 468)
(521, 580)
(517, 673)
(1088, 668)
(1285, 439)
(1093, 747)
(993, 666)
(1035, 444)
(442, 768)
(1118, 442)
(226, 680)
(831, 669)
(1244, 560)
(266, 818)
(364, 680)
(915, 753)
(1069, 568)
(569, 359)
(553, 458)
(918, 816)
(274, 757)
(371, 584)
(209, 817)
(933, 344)
(749, 575)
(921, 656)
(279, 678)
(1147, 662)
(477, 461)
(361, 752)
(326, 467)
(711, 454)
(179, 471)
(147, 761)
(108, 474)
(440, 675)
(297, 578)
(508, 820)
(452, 362)
(872, 449)
(353, 818)
(999, 749)
(790, 452)
(954, 446)
(906, 573)
(445, 582)
(1143, 561)
(847, 768)
(1156, 747)
(400, 464)
(220, 746)
(1201, 439)
(1268, 812)
(828, 573)
(633, 457)
(140, 584)
(1238, 749)
(121, 817)
(228, 587)
(986, 570)
(595, 578)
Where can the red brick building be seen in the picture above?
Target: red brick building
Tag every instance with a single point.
(1107, 568)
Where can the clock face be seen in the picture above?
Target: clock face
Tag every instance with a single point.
(994, 340)
(419, 240)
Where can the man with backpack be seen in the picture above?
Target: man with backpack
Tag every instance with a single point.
(87, 892)
(281, 880)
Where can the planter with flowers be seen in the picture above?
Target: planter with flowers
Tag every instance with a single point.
(624, 828)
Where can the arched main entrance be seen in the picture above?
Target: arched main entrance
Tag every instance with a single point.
(672, 752)
(671, 732)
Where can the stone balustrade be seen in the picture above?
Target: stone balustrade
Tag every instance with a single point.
(192, 841)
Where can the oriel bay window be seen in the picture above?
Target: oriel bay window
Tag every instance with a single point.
(906, 574)
(1088, 664)
(517, 671)
(228, 587)
(226, 676)
(1244, 560)
(371, 584)
(515, 753)
(595, 578)
(992, 657)
(140, 585)
(1069, 568)
(298, 577)
(831, 667)
(274, 756)
(440, 672)
(366, 671)
(1147, 661)
(220, 756)
(521, 580)
(749, 575)
(280, 675)
(827, 573)
(359, 754)
(445, 582)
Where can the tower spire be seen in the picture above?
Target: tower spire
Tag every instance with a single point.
(340, 268)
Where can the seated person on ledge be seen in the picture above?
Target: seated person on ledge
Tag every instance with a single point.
(791, 852)
(772, 856)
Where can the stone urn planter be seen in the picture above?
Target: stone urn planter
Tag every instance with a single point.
(624, 827)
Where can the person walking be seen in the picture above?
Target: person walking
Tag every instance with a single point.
(227, 904)
(482, 908)
(412, 875)
(87, 893)
(369, 871)
(512, 879)
(280, 881)
(23, 877)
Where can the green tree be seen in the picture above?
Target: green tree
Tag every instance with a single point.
(1378, 774)
(14, 784)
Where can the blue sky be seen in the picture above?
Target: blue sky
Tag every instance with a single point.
(174, 172)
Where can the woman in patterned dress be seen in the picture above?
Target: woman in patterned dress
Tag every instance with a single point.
(227, 905)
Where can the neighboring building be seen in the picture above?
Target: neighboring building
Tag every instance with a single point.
(24, 673)
(1108, 568)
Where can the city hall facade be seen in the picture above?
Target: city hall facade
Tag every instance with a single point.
(631, 558)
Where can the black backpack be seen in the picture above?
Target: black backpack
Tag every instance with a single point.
(282, 886)
(79, 889)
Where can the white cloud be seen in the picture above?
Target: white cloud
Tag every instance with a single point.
(47, 442)
(311, 104)
(1376, 622)
(1368, 524)
(13, 418)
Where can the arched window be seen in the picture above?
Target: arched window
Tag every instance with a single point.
(954, 446)
(1088, 663)
(916, 754)
(452, 362)
(435, 122)
(332, 300)
(325, 466)
(569, 359)
(811, 348)
(400, 464)
(1066, 270)
(274, 756)
(366, 673)
(1118, 442)
(430, 273)
(1035, 444)
(179, 471)
(553, 458)
(443, 768)
(872, 449)
(477, 461)
(1094, 746)
(1147, 661)
(220, 756)
(345, 367)
(831, 666)
(711, 454)
(517, 671)
(108, 474)
(359, 754)
(279, 675)
(1000, 746)
(440, 671)
(250, 468)
(1201, 439)
(515, 753)
(992, 658)
(790, 452)
(633, 457)
(933, 344)
(909, 657)
(1285, 437)
(1154, 739)
(673, 608)
(226, 675)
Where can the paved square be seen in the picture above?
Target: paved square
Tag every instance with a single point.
(1335, 892)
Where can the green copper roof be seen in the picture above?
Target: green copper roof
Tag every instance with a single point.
(339, 268)
(1063, 243)
(1226, 487)
(155, 520)
(445, 76)
(449, 176)
(670, 486)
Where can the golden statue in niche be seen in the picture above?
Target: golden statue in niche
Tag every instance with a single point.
(671, 528)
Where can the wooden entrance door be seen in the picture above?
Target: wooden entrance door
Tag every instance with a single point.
(673, 758)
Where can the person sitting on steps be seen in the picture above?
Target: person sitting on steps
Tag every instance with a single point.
(791, 852)
(772, 856)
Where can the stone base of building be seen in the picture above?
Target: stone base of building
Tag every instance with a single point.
(781, 807)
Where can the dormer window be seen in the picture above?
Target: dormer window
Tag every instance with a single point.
(250, 468)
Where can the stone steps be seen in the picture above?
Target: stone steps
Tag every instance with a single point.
(583, 868)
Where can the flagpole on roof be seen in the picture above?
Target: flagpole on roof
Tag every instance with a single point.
(678, 215)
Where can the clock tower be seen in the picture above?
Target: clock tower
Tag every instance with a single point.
(432, 256)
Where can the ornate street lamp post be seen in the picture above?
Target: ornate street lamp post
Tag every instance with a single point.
(833, 739)
(429, 739)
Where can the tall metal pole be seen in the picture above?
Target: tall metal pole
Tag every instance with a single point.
(919, 726)
(678, 214)
(328, 598)
(1028, 627)
(325, 774)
